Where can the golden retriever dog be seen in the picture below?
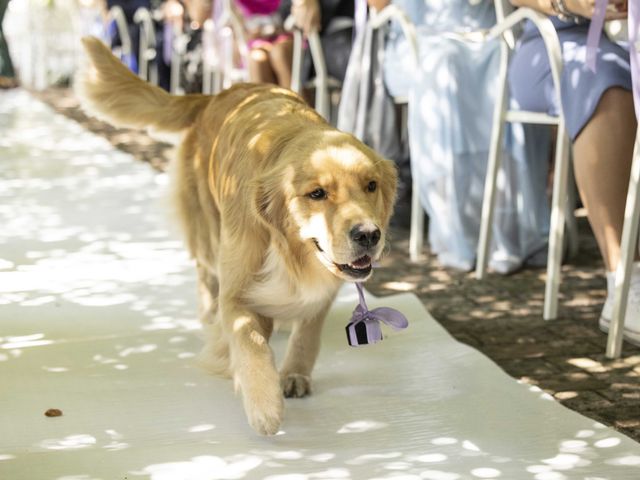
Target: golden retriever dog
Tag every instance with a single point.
(278, 209)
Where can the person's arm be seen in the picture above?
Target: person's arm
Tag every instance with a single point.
(616, 10)
(378, 4)
(543, 6)
(306, 14)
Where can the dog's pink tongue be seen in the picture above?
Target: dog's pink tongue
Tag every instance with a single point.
(364, 261)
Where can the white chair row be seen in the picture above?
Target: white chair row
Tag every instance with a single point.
(223, 37)
(223, 41)
(322, 83)
(220, 72)
(148, 52)
(508, 22)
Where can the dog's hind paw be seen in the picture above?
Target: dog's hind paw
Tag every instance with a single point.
(295, 385)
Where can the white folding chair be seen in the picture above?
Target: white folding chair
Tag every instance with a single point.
(232, 39)
(179, 42)
(504, 30)
(628, 249)
(212, 74)
(147, 68)
(116, 14)
(322, 82)
(377, 20)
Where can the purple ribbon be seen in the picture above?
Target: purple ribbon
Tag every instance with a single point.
(167, 44)
(595, 33)
(364, 327)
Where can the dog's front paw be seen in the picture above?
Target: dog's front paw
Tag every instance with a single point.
(295, 385)
(263, 403)
(265, 416)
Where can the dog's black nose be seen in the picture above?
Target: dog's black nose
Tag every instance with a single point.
(366, 237)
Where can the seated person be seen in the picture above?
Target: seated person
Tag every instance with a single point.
(270, 47)
(323, 16)
(270, 57)
(451, 96)
(186, 19)
(601, 123)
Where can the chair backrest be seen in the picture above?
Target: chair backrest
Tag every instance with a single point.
(147, 68)
(503, 8)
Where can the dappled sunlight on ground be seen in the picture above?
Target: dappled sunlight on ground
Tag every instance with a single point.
(516, 338)
(502, 317)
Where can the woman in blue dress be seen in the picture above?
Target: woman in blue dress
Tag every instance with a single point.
(451, 98)
(601, 122)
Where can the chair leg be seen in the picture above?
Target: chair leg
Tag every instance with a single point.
(296, 62)
(488, 201)
(416, 235)
(628, 248)
(556, 233)
(322, 90)
(493, 166)
(571, 223)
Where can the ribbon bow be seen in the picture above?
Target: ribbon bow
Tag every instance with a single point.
(364, 327)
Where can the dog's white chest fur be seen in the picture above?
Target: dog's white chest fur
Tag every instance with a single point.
(278, 296)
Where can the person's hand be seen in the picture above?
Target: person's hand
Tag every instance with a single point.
(616, 10)
(378, 4)
(198, 11)
(172, 12)
(306, 14)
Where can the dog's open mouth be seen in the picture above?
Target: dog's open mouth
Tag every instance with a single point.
(359, 268)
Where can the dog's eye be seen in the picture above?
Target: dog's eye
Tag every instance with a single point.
(318, 194)
(372, 186)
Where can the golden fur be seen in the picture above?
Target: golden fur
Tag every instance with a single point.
(278, 208)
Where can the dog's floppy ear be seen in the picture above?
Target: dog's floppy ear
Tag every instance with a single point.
(269, 203)
(388, 186)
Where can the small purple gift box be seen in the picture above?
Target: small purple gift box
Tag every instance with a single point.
(364, 332)
(364, 327)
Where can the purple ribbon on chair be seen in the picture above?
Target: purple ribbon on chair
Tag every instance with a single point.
(167, 44)
(364, 327)
(595, 33)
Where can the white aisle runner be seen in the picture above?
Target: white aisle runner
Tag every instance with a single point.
(98, 319)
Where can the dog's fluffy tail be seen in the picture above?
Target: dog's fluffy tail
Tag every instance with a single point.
(111, 92)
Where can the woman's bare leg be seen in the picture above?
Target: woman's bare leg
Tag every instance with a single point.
(260, 70)
(603, 153)
(281, 61)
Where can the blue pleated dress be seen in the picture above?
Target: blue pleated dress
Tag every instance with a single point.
(451, 100)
